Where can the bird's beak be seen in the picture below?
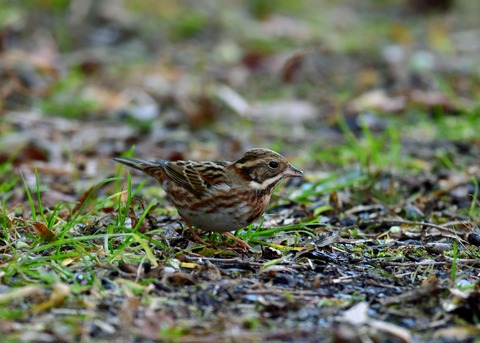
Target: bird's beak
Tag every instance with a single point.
(293, 172)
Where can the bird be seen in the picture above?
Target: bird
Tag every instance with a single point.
(219, 196)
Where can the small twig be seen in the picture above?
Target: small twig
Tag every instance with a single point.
(281, 292)
(431, 263)
(435, 226)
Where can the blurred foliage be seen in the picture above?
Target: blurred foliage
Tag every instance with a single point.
(65, 99)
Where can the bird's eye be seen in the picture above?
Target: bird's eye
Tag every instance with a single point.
(273, 164)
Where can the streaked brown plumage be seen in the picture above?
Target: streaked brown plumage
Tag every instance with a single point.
(220, 196)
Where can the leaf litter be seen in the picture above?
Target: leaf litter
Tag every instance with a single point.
(367, 249)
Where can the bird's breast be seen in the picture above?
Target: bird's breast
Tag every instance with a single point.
(224, 211)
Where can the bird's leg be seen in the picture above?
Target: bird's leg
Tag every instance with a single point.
(194, 233)
(242, 243)
(198, 239)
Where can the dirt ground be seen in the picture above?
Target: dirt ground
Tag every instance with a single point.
(377, 102)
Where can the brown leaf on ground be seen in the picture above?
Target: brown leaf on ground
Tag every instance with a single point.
(24, 154)
(179, 278)
(43, 231)
(81, 201)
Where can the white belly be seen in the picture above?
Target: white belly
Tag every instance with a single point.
(221, 220)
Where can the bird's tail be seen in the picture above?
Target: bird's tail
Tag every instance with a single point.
(133, 162)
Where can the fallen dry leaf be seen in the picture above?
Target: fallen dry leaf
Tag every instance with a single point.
(379, 100)
(43, 231)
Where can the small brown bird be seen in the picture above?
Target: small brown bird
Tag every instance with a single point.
(220, 196)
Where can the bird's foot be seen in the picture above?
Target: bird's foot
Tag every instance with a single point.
(240, 242)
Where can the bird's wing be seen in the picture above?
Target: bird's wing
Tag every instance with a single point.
(198, 177)
(174, 171)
